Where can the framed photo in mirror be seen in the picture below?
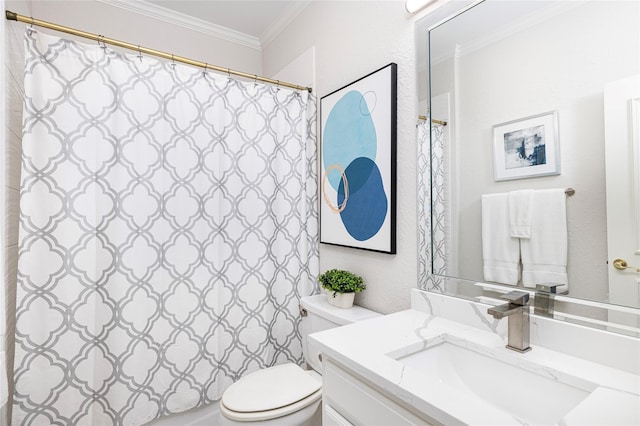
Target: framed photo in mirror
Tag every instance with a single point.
(527, 147)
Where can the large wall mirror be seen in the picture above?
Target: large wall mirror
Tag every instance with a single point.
(532, 97)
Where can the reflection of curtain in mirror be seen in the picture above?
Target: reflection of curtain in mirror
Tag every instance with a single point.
(430, 155)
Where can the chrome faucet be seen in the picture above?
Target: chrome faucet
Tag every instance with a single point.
(543, 302)
(518, 323)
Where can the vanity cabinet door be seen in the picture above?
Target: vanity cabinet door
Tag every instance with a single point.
(359, 403)
(331, 417)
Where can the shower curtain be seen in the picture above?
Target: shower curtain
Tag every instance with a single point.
(168, 228)
(432, 205)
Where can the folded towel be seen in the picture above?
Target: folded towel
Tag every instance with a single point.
(544, 255)
(520, 207)
(500, 252)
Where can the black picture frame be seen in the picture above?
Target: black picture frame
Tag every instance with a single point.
(358, 144)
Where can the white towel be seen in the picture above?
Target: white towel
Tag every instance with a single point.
(544, 255)
(500, 252)
(520, 208)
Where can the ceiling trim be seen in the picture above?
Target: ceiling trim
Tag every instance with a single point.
(196, 24)
(528, 21)
(503, 32)
(291, 12)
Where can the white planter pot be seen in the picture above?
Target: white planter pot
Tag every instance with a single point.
(341, 300)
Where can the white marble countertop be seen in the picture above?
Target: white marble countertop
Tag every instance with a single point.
(370, 349)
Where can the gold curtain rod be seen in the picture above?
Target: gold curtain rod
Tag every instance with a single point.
(12, 16)
(440, 122)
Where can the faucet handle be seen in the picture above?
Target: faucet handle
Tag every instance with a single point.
(516, 297)
(548, 288)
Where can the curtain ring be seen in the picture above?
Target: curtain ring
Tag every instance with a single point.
(204, 71)
(139, 53)
(30, 29)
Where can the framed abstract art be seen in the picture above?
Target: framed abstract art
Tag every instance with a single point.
(358, 163)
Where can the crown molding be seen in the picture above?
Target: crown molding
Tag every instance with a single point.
(505, 31)
(291, 12)
(527, 22)
(176, 18)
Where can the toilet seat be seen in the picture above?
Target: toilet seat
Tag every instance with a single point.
(271, 393)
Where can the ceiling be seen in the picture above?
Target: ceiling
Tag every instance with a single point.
(260, 20)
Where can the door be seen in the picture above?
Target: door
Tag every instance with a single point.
(622, 152)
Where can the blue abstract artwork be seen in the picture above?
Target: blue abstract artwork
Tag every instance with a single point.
(358, 142)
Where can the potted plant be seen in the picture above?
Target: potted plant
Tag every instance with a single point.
(342, 286)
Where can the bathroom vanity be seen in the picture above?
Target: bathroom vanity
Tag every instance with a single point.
(444, 362)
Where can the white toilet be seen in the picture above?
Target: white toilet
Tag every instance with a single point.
(286, 394)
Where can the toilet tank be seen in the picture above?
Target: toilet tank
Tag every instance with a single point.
(319, 315)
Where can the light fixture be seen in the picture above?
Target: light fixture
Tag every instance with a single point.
(413, 6)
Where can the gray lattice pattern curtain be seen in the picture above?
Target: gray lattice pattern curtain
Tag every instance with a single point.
(432, 205)
(168, 227)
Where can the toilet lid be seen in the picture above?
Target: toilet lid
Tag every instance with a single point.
(270, 389)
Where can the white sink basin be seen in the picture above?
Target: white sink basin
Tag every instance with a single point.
(501, 380)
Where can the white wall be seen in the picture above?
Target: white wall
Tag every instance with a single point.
(352, 39)
(3, 287)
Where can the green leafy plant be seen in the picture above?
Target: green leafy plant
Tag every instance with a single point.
(339, 281)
